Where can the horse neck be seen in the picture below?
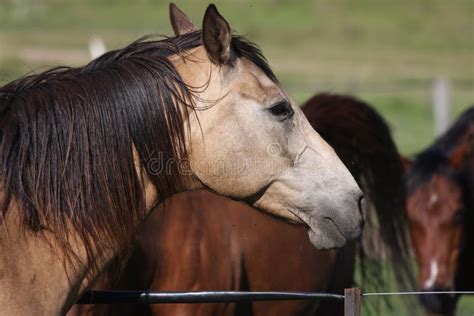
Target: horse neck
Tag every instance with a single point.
(35, 277)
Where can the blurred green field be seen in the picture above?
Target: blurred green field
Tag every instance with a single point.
(387, 52)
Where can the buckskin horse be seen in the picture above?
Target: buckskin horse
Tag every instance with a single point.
(229, 246)
(440, 206)
(82, 150)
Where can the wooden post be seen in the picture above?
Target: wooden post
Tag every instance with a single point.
(352, 302)
(441, 105)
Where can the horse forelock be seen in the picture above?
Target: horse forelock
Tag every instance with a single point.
(431, 161)
(242, 48)
(442, 156)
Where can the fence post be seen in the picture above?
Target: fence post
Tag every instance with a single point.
(96, 47)
(352, 302)
(441, 105)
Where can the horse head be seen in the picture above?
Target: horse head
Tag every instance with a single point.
(437, 211)
(250, 141)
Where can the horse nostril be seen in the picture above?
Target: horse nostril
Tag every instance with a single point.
(362, 206)
(362, 223)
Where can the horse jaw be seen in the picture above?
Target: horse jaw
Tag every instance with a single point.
(320, 192)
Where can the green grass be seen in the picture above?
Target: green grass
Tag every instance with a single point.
(384, 51)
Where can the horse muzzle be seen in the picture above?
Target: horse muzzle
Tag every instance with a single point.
(439, 304)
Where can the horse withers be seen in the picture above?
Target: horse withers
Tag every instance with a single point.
(82, 152)
(440, 203)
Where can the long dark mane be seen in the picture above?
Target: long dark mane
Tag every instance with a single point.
(363, 141)
(67, 137)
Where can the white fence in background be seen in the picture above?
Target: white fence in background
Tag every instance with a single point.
(96, 47)
(441, 105)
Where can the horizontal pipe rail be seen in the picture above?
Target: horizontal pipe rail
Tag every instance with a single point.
(140, 297)
(146, 297)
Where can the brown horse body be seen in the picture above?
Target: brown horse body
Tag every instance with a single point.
(441, 211)
(228, 246)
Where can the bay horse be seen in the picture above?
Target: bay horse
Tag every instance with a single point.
(86, 153)
(229, 246)
(440, 204)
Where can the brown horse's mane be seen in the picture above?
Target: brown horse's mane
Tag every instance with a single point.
(363, 141)
(67, 137)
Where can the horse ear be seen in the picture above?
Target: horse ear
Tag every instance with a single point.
(216, 36)
(180, 22)
(406, 163)
(459, 154)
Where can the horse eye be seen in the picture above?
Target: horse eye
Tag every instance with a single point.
(282, 109)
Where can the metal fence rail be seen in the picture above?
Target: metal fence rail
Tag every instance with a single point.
(352, 297)
(140, 297)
